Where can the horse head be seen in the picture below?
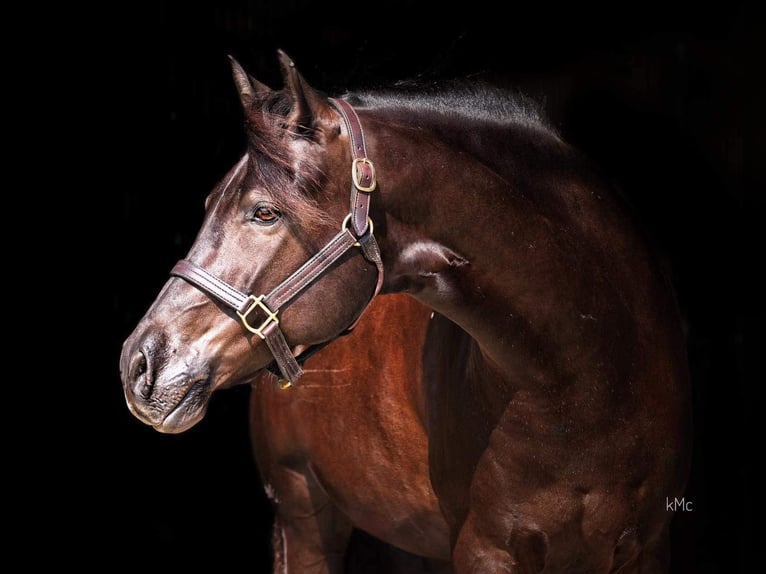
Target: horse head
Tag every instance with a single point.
(276, 224)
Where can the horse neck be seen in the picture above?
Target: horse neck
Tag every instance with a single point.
(506, 232)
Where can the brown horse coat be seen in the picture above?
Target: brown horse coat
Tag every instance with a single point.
(347, 446)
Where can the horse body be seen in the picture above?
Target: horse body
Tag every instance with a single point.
(555, 393)
(570, 370)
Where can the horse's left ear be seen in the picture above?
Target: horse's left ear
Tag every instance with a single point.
(247, 86)
(309, 107)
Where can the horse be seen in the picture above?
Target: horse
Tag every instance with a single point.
(555, 382)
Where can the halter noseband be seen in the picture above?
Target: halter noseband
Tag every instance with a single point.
(356, 231)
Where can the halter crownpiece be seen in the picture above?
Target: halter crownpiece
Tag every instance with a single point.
(356, 231)
(363, 177)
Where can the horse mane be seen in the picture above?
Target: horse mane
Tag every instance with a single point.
(475, 101)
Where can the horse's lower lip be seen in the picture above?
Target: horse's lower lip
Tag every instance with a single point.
(195, 390)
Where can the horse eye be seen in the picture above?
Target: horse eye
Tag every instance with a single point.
(265, 213)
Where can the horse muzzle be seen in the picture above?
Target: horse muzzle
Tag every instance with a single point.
(162, 389)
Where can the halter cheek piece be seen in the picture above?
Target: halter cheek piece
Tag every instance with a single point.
(260, 315)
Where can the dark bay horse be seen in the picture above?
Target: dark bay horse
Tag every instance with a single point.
(555, 385)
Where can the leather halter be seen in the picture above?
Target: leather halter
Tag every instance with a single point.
(358, 234)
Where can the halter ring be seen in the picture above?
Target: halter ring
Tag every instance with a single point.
(344, 226)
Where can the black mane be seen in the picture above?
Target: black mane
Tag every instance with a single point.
(477, 101)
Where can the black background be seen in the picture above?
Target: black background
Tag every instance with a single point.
(663, 97)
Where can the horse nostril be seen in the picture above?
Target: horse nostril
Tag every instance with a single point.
(140, 376)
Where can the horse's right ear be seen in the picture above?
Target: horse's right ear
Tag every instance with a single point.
(247, 86)
(308, 106)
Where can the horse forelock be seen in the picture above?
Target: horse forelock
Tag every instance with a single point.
(293, 179)
(267, 131)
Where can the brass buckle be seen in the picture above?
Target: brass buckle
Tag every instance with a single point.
(258, 302)
(355, 175)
